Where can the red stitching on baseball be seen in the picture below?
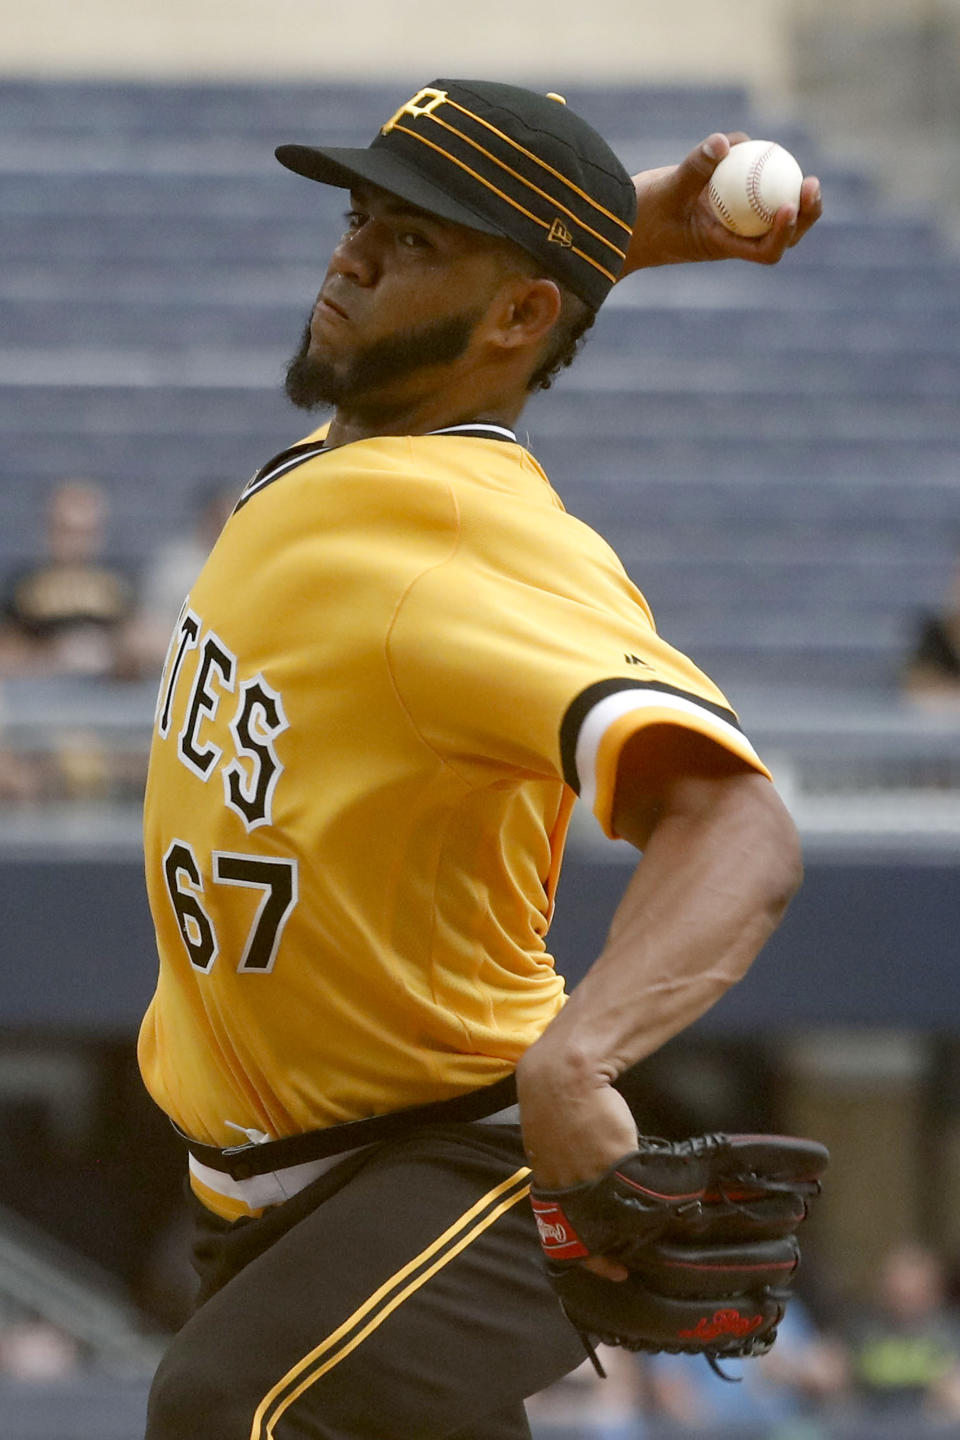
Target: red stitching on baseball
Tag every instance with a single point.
(753, 183)
(727, 217)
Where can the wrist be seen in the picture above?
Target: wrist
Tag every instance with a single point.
(641, 250)
(561, 1065)
(575, 1125)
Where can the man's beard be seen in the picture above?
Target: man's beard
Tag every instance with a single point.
(313, 381)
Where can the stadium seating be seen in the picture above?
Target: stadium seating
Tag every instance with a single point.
(774, 453)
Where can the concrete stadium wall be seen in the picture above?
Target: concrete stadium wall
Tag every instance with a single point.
(747, 41)
(553, 40)
(878, 80)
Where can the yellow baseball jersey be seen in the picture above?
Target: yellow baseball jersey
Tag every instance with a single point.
(400, 663)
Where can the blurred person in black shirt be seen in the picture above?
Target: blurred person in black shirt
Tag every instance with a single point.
(65, 613)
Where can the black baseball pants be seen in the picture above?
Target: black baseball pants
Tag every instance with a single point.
(401, 1296)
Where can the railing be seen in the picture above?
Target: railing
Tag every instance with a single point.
(41, 1279)
(878, 766)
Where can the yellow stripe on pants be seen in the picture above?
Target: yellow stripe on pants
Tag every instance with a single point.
(385, 1300)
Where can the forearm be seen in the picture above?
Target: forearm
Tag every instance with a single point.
(713, 884)
(649, 245)
(703, 901)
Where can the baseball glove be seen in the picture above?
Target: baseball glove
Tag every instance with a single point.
(706, 1229)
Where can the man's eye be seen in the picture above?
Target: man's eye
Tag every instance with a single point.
(413, 240)
(354, 219)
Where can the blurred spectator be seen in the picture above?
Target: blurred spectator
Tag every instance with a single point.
(932, 671)
(66, 613)
(35, 1350)
(792, 1381)
(21, 778)
(903, 1352)
(582, 1406)
(168, 577)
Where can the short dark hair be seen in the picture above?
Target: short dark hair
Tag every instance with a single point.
(566, 340)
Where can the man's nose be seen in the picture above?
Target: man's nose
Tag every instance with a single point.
(358, 256)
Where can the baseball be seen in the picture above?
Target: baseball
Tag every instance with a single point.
(751, 184)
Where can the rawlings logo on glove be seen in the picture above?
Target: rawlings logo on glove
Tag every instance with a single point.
(557, 1236)
(724, 1322)
(706, 1229)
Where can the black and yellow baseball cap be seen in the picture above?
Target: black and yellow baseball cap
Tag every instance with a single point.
(504, 160)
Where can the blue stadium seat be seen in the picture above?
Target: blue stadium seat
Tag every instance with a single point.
(775, 453)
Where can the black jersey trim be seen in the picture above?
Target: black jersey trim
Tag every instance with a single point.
(287, 460)
(478, 430)
(579, 709)
(278, 466)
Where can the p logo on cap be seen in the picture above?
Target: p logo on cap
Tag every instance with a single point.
(423, 103)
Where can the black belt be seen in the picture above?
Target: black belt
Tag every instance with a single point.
(251, 1158)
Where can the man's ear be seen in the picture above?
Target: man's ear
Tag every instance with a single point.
(529, 312)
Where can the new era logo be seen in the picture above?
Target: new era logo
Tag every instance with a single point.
(560, 235)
